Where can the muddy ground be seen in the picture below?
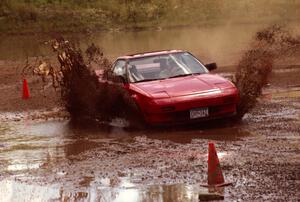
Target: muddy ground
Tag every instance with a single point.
(45, 157)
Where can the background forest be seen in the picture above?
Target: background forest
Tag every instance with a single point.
(21, 16)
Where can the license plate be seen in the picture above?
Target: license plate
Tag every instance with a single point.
(199, 113)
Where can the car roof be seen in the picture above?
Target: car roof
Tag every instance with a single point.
(145, 54)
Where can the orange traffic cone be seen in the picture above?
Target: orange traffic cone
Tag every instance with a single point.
(26, 93)
(215, 176)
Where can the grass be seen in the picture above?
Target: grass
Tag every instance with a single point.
(27, 16)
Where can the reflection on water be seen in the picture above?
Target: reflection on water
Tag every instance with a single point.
(186, 135)
(28, 146)
(18, 167)
(14, 191)
(33, 145)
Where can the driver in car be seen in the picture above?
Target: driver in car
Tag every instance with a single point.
(169, 68)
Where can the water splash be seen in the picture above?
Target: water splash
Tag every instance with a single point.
(269, 45)
(83, 96)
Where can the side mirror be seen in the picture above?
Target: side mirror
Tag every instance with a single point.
(211, 66)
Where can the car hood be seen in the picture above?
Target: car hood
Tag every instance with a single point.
(182, 86)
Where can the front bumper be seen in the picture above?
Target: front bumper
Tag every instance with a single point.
(178, 117)
(177, 110)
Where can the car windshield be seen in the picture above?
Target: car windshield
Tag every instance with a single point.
(164, 66)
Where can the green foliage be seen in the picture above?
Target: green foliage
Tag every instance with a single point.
(77, 15)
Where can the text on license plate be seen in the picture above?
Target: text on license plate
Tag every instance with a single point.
(198, 113)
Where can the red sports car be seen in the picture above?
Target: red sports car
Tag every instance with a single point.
(175, 87)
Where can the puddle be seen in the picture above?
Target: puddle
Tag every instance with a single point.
(28, 146)
(60, 161)
(47, 151)
(287, 94)
(15, 191)
(40, 146)
(19, 167)
(201, 41)
(291, 91)
(186, 135)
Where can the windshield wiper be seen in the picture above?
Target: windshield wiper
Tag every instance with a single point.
(145, 80)
(179, 75)
(197, 73)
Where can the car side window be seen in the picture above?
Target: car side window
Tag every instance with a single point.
(119, 68)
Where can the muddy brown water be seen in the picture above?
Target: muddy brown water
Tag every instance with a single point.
(28, 146)
(129, 192)
(222, 44)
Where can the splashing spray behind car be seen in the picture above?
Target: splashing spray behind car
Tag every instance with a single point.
(255, 66)
(82, 94)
